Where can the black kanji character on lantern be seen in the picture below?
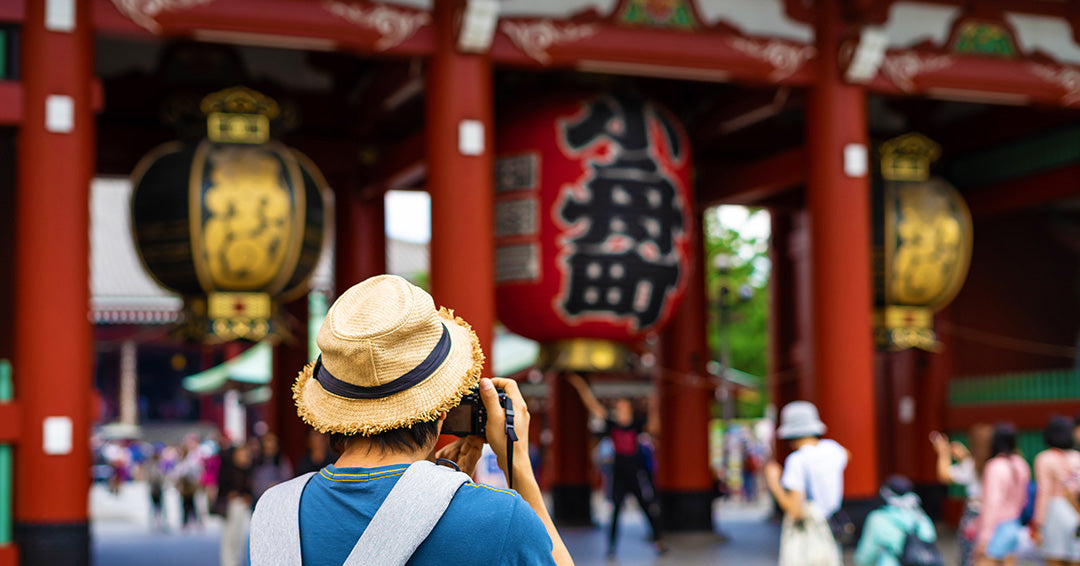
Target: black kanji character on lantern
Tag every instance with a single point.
(621, 284)
(633, 201)
(625, 262)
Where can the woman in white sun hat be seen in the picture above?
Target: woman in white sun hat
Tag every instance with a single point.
(809, 488)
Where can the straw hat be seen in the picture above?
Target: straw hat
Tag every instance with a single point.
(799, 419)
(389, 360)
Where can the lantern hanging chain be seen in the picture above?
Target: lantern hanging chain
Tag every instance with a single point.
(1007, 342)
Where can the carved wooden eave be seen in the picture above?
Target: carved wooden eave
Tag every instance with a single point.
(590, 41)
(360, 26)
(1005, 75)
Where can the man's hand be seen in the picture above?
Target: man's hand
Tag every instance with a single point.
(465, 452)
(496, 426)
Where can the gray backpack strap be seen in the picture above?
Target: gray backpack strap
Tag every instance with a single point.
(275, 525)
(407, 515)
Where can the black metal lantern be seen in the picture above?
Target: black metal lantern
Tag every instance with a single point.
(234, 222)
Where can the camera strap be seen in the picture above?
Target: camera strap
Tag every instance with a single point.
(511, 438)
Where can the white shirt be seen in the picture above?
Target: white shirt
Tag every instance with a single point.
(817, 471)
(963, 473)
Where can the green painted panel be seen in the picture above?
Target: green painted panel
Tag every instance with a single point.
(1016, 159)
(1052, 385)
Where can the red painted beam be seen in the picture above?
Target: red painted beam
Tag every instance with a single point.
(972, 78)
(754, 183)
(11, 103)
(591, 44)
(1040, 188)
(1023, 415)
(353, 25)
(10, 427)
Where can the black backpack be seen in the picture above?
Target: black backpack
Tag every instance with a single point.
(918, 552)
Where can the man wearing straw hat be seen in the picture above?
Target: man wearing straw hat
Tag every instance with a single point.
(392, 366)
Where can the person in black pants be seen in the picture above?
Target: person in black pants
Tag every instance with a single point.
(629, 475)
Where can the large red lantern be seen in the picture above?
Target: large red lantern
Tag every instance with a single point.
(594, 218)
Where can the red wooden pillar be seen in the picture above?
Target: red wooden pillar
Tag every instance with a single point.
(838, 195)
(783, 327)
(54, 353)
(289, 358)
(460, 177)
(684, 478)
(360, 244)
(568, 457)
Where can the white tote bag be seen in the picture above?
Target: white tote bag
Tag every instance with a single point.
(808, 542)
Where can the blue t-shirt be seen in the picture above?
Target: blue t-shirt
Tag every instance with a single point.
(483, 525)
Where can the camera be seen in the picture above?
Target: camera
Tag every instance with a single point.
(469, 417)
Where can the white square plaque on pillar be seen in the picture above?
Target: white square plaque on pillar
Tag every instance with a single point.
(60, 15)
(57, 436)
(471, 137)
(59, 114)
(856, 160)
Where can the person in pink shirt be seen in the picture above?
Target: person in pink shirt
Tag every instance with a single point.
(1005, 479)
(1057, 471)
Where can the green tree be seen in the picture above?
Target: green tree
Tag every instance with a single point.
(745, 273)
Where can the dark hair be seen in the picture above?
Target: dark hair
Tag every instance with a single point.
(1003, 443)
(899, 485)
(403, 439)
(1058, 433)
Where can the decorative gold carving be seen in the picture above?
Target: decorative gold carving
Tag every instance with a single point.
(246, 235)
(932, 243)
(1068, 78)
(908, 158)
(145, 12)
(584, 354)
(785, 58)
(902, 328)
(902, 68)
(240, 100)
(239, 115)
(393, 25)
(536, 37)
(239, 316)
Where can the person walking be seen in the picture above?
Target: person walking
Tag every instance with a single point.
(392, 367)
(629, 474)
(955, 465)
(888, 531)
(235, 487)
(187, 473)
(155, 480)
(1057, 472)
(1005, 482)
(809, 488)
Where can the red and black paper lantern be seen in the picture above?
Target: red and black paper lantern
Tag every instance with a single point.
(594, 218)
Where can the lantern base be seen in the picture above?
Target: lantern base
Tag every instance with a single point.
(686, 511)
(53, 543)
(584, 354)
(572, 505)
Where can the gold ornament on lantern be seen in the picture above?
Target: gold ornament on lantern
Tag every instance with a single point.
(924, 239)
(233, 222)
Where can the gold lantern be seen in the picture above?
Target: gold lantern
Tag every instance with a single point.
(923, 244)
(233, 222)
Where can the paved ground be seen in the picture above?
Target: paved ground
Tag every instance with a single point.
(122, 536)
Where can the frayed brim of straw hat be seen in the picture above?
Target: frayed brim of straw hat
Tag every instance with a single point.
(424, 402)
